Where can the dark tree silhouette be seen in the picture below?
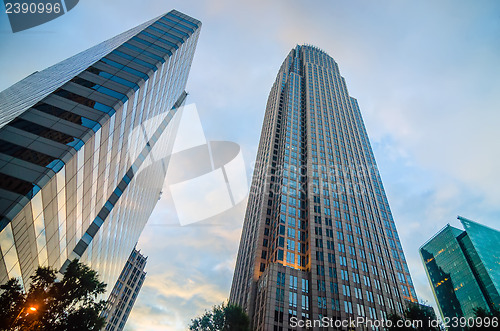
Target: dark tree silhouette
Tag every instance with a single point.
(420, 317)
(481, 316)
(69, 304)
(224, 317)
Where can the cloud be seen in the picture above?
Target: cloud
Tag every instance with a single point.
(189, 268)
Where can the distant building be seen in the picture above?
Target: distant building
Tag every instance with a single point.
(127, 287)
(463, 268)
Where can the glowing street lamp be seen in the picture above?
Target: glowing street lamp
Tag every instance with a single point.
(30, 310)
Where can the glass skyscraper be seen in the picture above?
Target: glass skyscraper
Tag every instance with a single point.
(463, 268)
(82, 147)
(122, 298)
(318, 238)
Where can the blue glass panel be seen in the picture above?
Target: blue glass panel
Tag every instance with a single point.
(125, 68)
(118, 192)
(134, 167)
(87, 238)
(142, 51)
(111, 93)
(90, 124)
(76, 144)
(179, 25)
(108, 205)
(104, 108)
(174, 27)
(119, 80)
(98, 221)
(33, 191)
(164, 33)
(134, 59)
(183, 20)
(147, 43)
(159, 38)
(169, 34)
(55, 165)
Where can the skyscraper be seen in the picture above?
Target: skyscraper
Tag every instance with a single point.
(463, 268)
(318, 238)
(125, 292)
(82, 146)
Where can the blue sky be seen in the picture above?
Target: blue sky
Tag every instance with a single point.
(426, 75)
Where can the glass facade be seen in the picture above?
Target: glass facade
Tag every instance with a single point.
(462, 267)
(81, 165)
(125, 292)
(318, 239)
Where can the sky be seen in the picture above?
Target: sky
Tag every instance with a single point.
(426, 75)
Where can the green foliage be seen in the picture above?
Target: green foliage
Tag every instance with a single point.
(66, 305)
(224, 317)
(413, 312)
(394, 318)
(11, 299)
(483, 314)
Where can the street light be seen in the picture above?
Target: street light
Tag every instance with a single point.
(31, 309)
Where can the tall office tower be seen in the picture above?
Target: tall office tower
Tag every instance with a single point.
(124, 293)
(463, 268)
(318, 239)
(82, 146)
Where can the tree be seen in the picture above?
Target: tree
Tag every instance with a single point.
(49, 304)
(415, 313)
(394, 319)
(481, 316)
(11, 301)
(224, 317)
